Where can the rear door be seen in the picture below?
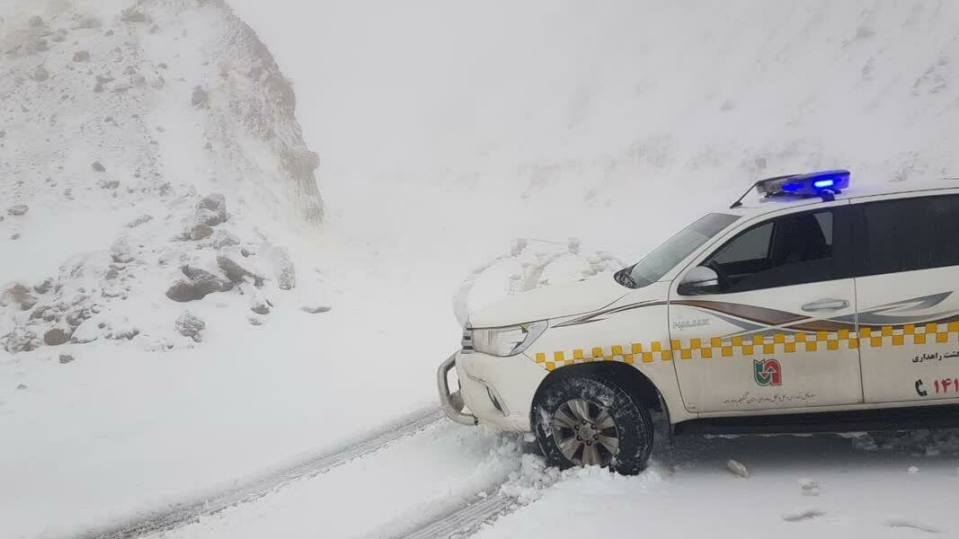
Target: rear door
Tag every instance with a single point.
(908, 276)
(778, 331)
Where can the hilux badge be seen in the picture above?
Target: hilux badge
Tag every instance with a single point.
(768, 372)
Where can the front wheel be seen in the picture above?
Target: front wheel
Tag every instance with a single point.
(591, 421)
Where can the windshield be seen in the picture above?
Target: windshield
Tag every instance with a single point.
(674, 250)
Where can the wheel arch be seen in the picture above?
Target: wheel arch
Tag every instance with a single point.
(629, 378)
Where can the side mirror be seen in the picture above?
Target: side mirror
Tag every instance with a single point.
(699, 280)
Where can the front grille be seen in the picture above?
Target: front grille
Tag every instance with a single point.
(467, 342)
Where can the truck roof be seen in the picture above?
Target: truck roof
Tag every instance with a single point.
(755, 204)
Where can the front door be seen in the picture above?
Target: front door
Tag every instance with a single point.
(779, 328)
(908, 289)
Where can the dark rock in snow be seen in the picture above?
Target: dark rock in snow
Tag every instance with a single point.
(202, 276)
(98, 166)
(65, 358)
(57, 336)
(201, 284)
(81, 56)
(201, 231)
(236, 272)
(18, 210)
(18, 294)
(212, 210)
(259, 306)
(43, 287)
(184, 291)
(316, 309)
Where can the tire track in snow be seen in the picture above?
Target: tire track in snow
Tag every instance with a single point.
(463, 522)
(188, 512)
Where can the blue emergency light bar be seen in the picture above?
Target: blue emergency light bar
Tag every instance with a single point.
(826, 184)
(814, 184)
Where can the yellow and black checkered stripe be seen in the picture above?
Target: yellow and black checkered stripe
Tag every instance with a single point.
(752, 345)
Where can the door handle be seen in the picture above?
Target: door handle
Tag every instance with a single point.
(828, 304)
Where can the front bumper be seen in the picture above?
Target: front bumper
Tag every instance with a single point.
(452, 403)
(496, 390)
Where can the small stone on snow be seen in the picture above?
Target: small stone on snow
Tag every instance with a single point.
(283, 269)
(212, 210)
(737, 469)
(18, 210)
(40, 74)
(200, 98)
(201, 231)
(237, 272)
(190, 325)
(808, 487)
(120, 251)
(65, 358)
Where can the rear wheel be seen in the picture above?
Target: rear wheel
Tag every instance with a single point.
(592, 421)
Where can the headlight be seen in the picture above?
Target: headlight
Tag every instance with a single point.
(502, 342)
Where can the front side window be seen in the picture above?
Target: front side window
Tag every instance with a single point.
(789, 250)
(674, 250)
(911, 234)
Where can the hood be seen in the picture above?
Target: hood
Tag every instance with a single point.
(550, 302)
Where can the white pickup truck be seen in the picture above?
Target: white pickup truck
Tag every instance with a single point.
(817, 308)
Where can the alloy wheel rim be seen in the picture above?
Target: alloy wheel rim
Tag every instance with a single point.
(585, 433)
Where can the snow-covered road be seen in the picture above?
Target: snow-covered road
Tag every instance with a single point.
(432, 479)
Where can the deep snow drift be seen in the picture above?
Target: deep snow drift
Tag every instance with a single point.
(466, 151)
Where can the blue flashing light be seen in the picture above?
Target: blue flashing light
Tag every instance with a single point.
(816, 183)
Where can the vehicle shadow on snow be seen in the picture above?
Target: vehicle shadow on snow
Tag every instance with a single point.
(798, 452)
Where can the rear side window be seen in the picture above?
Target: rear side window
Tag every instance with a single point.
(910, 234)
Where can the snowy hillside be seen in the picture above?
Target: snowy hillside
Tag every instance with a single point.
(149, 150)
(182, 315)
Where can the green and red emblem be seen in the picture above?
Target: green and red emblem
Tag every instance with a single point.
(768, 372)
